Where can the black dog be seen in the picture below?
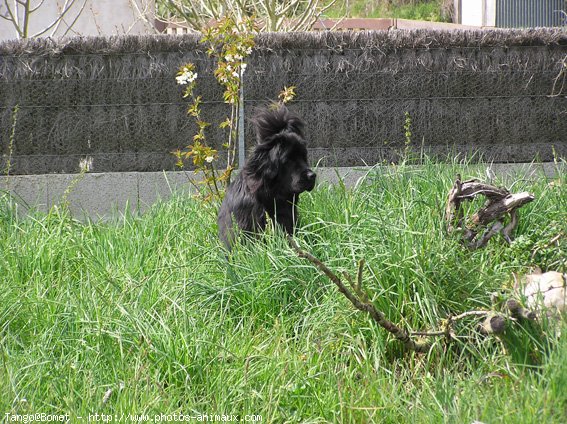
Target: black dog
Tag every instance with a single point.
(271, 179)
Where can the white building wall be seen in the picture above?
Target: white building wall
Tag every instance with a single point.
(98, 17)
(471, 12)
(477, 12)
(489, 13)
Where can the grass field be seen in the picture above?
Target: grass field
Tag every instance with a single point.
(144, 315)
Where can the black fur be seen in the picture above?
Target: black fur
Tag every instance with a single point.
(272, 178)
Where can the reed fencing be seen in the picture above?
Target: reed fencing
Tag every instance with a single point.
(114, 101)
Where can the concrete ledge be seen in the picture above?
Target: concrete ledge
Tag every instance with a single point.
(102, 195)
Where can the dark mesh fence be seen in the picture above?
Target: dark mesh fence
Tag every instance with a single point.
(115, 100)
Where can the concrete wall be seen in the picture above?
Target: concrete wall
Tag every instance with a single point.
(93, 17)
(101, 195)
(105, 195)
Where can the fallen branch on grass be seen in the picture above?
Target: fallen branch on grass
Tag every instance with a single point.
(360, 300)
(490, 219)
(494, 323)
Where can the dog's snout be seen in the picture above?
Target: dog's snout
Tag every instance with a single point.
(309, 180)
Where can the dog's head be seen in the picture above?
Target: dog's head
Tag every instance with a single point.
(278, 165)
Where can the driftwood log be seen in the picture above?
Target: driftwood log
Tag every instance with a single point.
(499, 215)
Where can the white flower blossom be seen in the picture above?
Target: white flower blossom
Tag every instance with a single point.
(185, 77)
(243, 67)
(235, 74)
(229, 58)
(209, 159)
(238, 57)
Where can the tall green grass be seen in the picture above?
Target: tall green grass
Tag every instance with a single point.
(148, 314)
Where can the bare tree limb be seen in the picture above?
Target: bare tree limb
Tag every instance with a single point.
(38, 6)
(13, 17)
(60, 18)
(144, 11)
(361, 304)
(272, 15)
(494, 322)
(26, 9)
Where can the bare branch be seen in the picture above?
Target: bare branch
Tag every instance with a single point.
(368, 307)
(72, 24)
(193, 17)
(27, 14)
(274, 15)
(307, 19)
(144, 12)
(494, 322)
(37, 7)
(60, 18)
(469, 314)
(26, 10)
(13, 17)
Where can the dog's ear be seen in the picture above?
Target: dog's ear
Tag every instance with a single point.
(264, 163)
(270, 164)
